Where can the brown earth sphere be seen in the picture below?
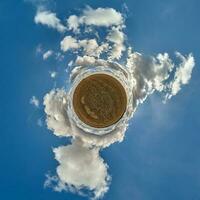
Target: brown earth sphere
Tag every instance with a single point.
(99, 100)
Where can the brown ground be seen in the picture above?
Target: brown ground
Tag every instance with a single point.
(99, 100)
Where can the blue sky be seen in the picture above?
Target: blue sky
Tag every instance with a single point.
(159, 157)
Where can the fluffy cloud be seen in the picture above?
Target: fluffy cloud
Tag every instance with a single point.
(90, 47)
(69, 43)
(34, 101)
(98, 17)
(55, 108)
(85, 60)
(154, 74)
(49, 19)
(80, 167)
(148, 73)
(101, 17)
(47, 54)
(104, 17)
(116, 36)
(182, 75)
(73, 23)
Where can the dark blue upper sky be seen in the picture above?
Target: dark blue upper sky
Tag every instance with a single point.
(159, 158)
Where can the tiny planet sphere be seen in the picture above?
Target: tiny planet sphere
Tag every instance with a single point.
(99, 100)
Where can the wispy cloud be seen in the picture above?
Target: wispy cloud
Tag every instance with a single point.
(49, 19)
(34, 101)
(47, 54)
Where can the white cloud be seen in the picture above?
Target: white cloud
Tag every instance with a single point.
(101, 17)
(50, 19)
(55, 103)
(148, 73)
(107, 17)
(154, 73)
(53, 74)
(182, 75)
(47, 54)
(70, 63)
(98, 17)
(73, 23)
(80, 167)
(89, 47)
(116, 36)
(69, 43)
(85, 60)
(34, 101)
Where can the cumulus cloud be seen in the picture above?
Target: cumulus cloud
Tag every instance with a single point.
(90, 47)
(103, 17)
(148, 73)
(182, 75)
(34, 101)
(97, 17)
(49, 19)
(47, 54)
(69, 43)
(85, 60)
(116, 36)
(154, 74)
(107, 17)
(80, 167)
(57, 120)
(73, 23)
